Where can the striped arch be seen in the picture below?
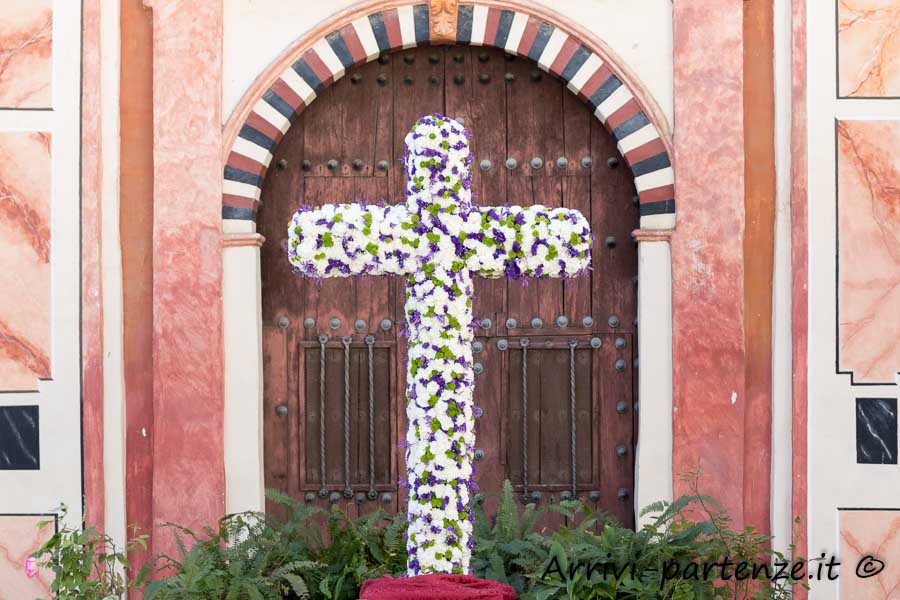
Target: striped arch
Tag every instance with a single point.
(357, 39)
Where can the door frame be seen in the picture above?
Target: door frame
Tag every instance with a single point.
(517, 27)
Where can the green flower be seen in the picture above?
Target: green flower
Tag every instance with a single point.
(415, 365)
(445, 353)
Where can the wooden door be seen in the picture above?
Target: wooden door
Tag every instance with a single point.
(334, 354)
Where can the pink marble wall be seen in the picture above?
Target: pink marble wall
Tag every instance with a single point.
(188, 371)
(708, 250)
(873, 533)
(91, 287)
(19, 537)
(25, 256)
(869, 47)
(799, 278)
(26, 29)
(869, 249)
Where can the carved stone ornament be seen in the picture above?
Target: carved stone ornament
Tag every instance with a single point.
(443, 20)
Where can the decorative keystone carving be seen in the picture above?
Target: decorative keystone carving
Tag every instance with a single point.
(443, 20)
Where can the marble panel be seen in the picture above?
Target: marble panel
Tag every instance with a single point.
(869, 48)
(25, 255)
(869, 250)
(876, 431)
(20, 448)
(19, 537)
(26, 41)
(874, 533)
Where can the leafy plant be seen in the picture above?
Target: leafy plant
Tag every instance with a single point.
(245, 558)
(595, 557)
(326, 555)
(506, 546)
(86, 564)
(365, 548)
(255, 556)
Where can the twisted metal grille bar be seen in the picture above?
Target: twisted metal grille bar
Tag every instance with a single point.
(323, 339)
(524, 343)
(574, 449)
(348, 491)
(370, 342)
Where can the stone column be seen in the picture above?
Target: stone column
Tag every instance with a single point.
(188, 408)
(709, 351)
(242, 309)
(653, 458)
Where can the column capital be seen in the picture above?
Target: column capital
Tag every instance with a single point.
(652, 235)
(235, 240)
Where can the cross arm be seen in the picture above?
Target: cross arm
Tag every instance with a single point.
(530, 241)
(340, 240)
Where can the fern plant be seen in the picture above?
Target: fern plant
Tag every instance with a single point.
(245, 558)
(599, 559)
(359, 549)
(594, 557)
(326, 555)
(253, 556)
(507, 546)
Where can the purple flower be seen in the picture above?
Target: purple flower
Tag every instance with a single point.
(512, 270)
(334, 263)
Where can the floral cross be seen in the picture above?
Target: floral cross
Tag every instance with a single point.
(438, 240)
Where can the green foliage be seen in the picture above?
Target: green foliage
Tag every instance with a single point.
(508, 548)
(86, 564)
(253, 556)
(320, 555)
(359, 549)
(593, 557)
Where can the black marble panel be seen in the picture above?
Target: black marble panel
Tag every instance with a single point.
(876, 431)
(20, 447)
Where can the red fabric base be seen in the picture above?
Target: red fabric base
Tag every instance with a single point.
(435, 587)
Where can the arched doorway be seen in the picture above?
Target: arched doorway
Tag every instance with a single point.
(533, 142)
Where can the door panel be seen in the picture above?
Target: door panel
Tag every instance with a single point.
(347, 146)
(480, 100)
(490, 389)
(614, 278)
(535, 125)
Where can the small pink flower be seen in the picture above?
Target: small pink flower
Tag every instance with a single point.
(31, 568)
